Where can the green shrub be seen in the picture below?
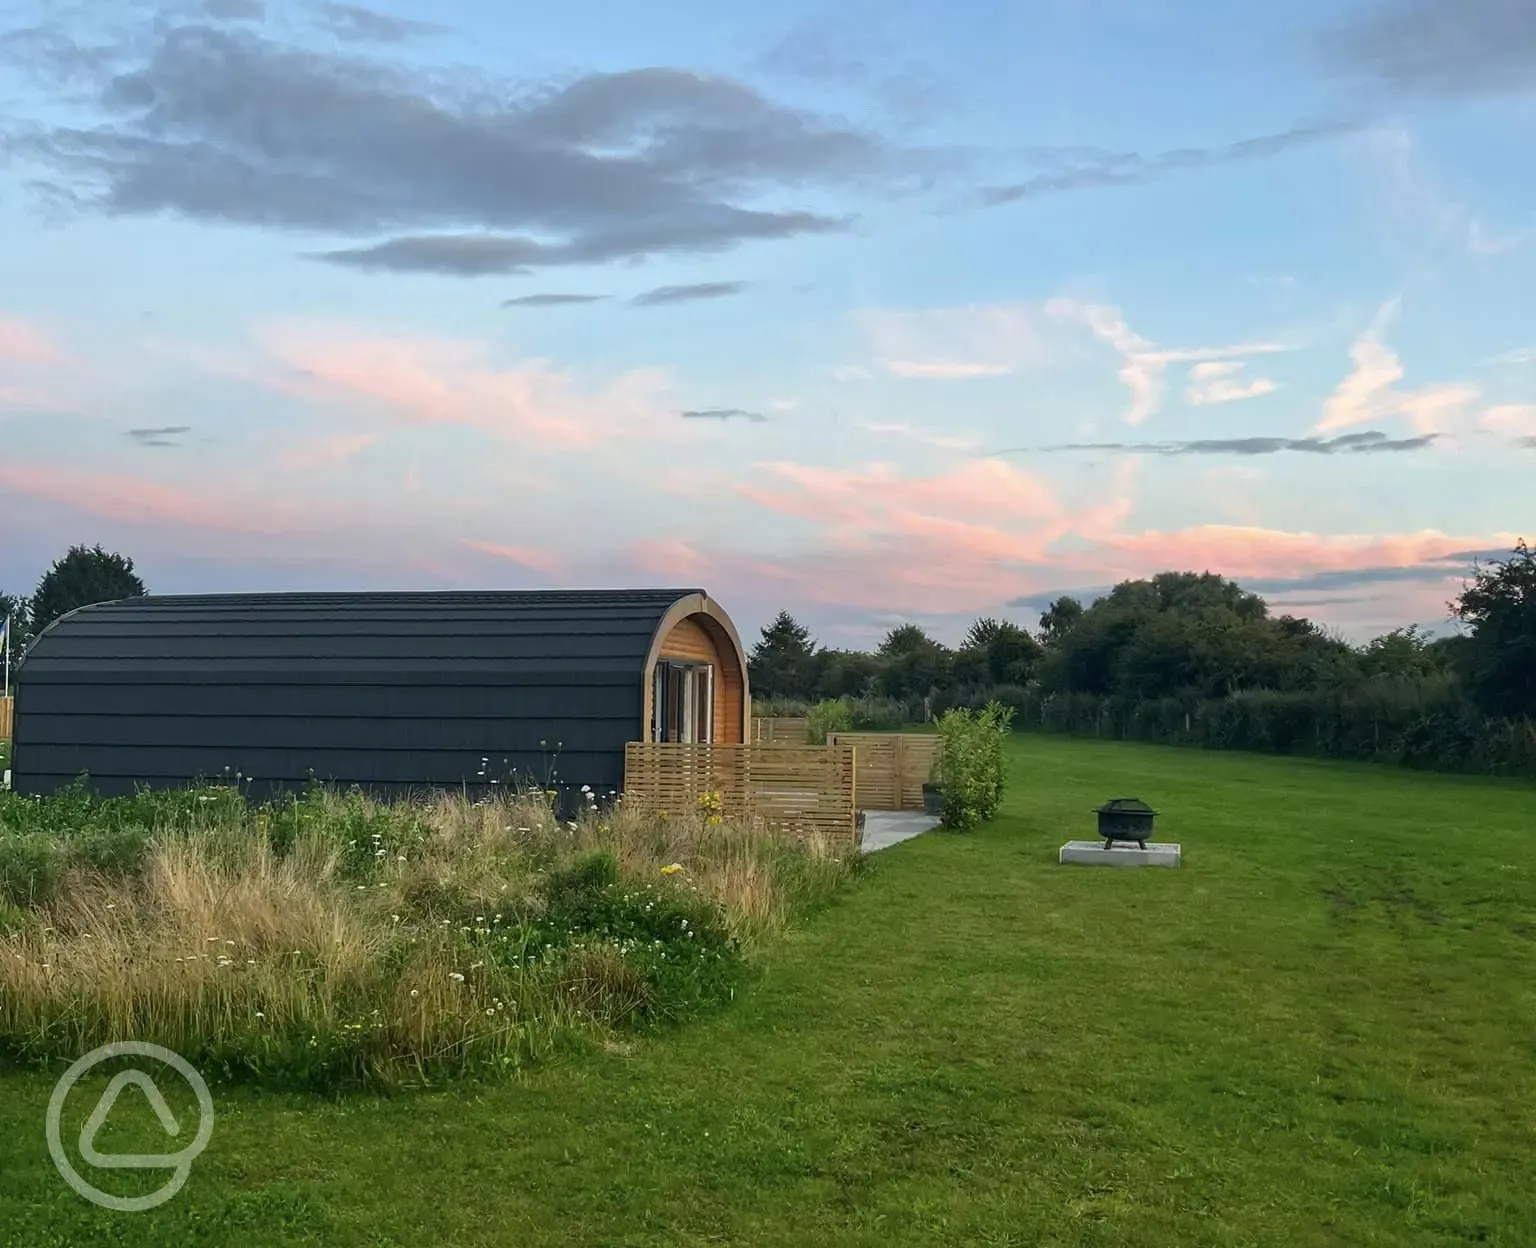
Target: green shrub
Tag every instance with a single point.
(832, 715)
(971, 770)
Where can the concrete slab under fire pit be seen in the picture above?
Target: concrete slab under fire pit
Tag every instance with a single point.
(1093, 854)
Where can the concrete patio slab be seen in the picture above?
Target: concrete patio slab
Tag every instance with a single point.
(884, 828)
(1093, 854)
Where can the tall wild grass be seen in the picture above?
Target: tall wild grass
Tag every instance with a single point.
(329, 940)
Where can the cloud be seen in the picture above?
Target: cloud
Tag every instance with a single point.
(536, 558)
(663, 296)
(943, 441)
(330, 451)
(1368, 393)
(235, 10)
(1515, 419)
(436, 382)
(1437, 48)
(976, 340)
(464, 175)
(1079, 168)
(24, 343)
(130, 500)
(1521, 355)
(725, 413)
(550, 300)
(852, 372)
(352, 22)
(1145, 364)
(1216, 382)
(166, 435)
(1368, 441)
(846, 50)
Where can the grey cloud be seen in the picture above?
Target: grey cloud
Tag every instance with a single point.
(726, 413)
(838, 52)
(664, 295)
(353, 22)
(166, 435)
(235, 10)
(447, 174)
(550, 300)
(1527, 442)
(1441, 48)
(1458, 563)
(1369, 441)
(1078, 168)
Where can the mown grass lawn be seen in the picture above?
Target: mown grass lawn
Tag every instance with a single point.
(1320, 1030)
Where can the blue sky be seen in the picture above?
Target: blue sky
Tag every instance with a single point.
(871, 312)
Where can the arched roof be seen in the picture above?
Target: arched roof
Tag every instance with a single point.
(363, 687)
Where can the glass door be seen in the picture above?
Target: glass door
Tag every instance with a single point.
(683, 702)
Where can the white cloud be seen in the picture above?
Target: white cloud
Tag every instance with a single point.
(943, 441)
(1515, 419)
(1145, 364)
(977, 340)
(1521, 355)
(1368, 395)
(1217, 382)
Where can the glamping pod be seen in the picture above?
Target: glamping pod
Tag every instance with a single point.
(392, 692)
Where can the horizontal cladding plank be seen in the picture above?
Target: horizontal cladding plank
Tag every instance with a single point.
(151, 764)
(84, 646)
(611, 701)
(450, 615)
(413, 599)
(402, 732)
(546, 670)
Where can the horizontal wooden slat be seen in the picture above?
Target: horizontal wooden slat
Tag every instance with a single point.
(892, 766)
(7, 707)
(781, 730)
(801, 788)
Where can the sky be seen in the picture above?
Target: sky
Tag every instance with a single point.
(875, 313)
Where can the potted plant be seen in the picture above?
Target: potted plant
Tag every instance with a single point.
(933, 793)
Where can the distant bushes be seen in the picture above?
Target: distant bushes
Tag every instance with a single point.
(827, 716)
(328, 940)
(1424, 724)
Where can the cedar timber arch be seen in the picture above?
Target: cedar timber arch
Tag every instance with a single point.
(694, 642)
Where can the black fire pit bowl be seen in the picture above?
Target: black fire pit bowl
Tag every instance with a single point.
(1125, 819)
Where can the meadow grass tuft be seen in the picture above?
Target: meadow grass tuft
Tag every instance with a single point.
(328, 940)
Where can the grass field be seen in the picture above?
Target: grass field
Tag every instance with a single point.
(1321, 1029)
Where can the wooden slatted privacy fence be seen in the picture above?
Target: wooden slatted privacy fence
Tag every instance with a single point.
(7, 714)
(803, 789)
(892, 766)
(781, 730)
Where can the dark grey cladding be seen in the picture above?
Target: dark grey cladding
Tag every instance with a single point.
(394, 692)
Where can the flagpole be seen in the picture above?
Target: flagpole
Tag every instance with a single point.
(7, 637)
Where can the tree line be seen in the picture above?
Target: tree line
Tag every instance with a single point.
(1194, 658)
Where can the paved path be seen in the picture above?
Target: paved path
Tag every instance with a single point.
(883, 828)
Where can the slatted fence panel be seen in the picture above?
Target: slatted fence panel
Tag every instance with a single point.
(780, 730)
(7, 714)
(800, 788)
(892, 766)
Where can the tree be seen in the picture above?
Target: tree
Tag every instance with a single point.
(19, 611)
(85, 575)
(1009, 654)
(1500, 606)
(1059, 619)
(781, 663)
(905, 639)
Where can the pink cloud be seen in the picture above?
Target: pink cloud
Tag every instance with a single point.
(528, 556)
(25, 343)
(328, 452)
(672, 559)
(129, 499)
(429, 381)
